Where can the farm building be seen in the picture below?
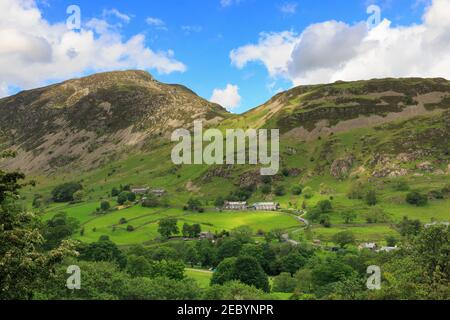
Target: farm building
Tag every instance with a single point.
(206, 235)
(158, 192)
(139, 190)
(229, 205)
(266, 206)
(387, 249)
(369, 246)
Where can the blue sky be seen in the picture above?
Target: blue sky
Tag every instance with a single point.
(201, 34)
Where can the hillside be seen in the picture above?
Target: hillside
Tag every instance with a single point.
(339, 141)
(84, 122)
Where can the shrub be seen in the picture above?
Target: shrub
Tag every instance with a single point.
(105, 206)
(297, 190)
(130, 228)
(416, 198)
(371, 198)
(279, 191)
(65, 192)
(266, 189)
(284, 283)
(308, 193)
(123, 221)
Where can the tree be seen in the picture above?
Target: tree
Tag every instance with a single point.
(371, 198)
(325, 206)
(114, 192)
(308, 192)
(280, 191)
(249, 271)
(105, 206)
(229, 247)
(233, 290)
(245, 269)
(194, 204)
(266, 189)
(167, 227)
(344, 238)
(348, 216)
(297, 190)
(78, 196)
(224, 272)
(103, 250)
(292, 262)
(219, 202)
(122, 197)
(391, 241)
(65, 192)
(377, 215)
(417, 199)
(138, 266)
(23, 264)
(58, 228)
(409, 227)
(284, 283)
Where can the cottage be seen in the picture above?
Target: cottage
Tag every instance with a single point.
(158, 192)
(369, 246)
(266, 206)
(139, 190)
(229, 205)
(206, 235)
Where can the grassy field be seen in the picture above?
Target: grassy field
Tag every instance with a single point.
(203, 277)
(145, 222)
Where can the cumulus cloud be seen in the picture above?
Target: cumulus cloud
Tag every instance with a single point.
(228, 97)
(157, 23)
(34, 52)
(273, 50)
(331, 51)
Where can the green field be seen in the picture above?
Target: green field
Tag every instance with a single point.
(203, 277)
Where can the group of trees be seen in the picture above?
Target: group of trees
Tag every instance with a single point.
(67, 192)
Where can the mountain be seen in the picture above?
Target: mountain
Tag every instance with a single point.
(308, 112)
(340, 142)
(83, 122)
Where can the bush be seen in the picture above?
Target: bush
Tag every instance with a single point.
(130, 228)
(105, 206)
(150, 202)
(65, 192)
(308, 193)
(297, 190)
(344, 238)
(417, 199)
(324, 206)
(400, 185)
(266, 189)
(123, 221)
(371, 198)
(284, 283)
(279, 191)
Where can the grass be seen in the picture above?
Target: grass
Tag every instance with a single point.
(203, 277)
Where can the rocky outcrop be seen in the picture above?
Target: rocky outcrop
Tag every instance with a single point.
(425, 166)
(340, 168)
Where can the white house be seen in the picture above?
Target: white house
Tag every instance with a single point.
(230, 205)
(266, 206)
(387, 249)
(369, 245)
(139, 190)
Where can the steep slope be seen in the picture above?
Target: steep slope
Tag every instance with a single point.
(307, 112)
(83, 122)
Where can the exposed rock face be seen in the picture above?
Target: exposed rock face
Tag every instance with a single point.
(250, 179)
(340, 168)
(425, 166)
(224, 171)
(83, 121)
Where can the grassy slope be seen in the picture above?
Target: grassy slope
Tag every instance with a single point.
(156, 170)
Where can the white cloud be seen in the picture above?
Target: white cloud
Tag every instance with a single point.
(227, 3)
(116, 13)
(289, 8)
(273, 50)
(34, 52)
(191, 29)
(228, 97)
(330, 51)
